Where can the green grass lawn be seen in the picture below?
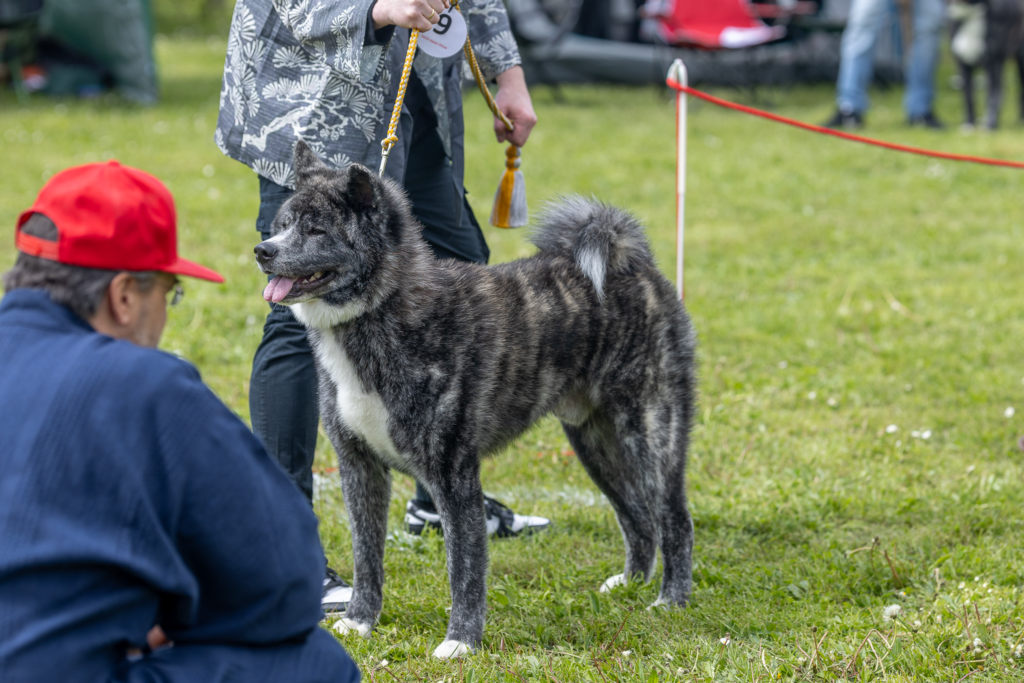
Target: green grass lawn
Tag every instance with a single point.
(859, 316)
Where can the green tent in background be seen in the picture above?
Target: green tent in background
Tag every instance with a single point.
(116, 33)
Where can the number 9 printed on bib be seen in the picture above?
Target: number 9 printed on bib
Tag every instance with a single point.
(447, 37)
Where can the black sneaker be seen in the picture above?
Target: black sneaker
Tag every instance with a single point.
(927, 120)
(501, 521)
(504, 523)
(336, 593)
(843, 119)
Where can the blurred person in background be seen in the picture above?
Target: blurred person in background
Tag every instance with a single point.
(145, 534)
(328, 73)
(867, 19)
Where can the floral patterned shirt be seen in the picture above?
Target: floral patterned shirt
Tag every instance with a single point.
(305, 69)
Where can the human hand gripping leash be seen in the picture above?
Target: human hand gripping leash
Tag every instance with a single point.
(510, 208)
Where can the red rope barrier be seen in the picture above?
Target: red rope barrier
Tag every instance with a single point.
(840, 134)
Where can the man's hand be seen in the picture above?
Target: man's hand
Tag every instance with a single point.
(156, 638)
(418, 14)
(513, 99)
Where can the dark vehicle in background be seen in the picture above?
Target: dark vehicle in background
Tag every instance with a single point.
(621, 41)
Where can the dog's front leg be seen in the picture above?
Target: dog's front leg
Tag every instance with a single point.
(459, 500)
(366, 483)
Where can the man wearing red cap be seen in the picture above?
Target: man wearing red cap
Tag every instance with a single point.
(145, 534)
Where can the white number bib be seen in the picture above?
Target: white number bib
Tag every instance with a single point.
(447, 37)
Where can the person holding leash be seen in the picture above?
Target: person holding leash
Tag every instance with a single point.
(145, 534)
(328, 73)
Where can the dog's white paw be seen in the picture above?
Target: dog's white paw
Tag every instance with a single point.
(345, 626)
(450, 649)
(613, 582)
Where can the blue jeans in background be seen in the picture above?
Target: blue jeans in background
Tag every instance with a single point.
(867, 19)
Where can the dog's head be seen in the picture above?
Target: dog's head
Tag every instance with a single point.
(334, 238)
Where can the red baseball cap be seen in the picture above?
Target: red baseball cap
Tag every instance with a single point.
(110, 217)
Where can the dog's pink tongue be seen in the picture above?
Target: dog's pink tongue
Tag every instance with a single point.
(278, 288)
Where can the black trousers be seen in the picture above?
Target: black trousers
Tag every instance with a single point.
(283, 388)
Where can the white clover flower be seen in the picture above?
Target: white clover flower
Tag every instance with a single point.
(898, 443)
(926, 434)
(626, 653)
(1009, 411)
(726, 640)
(976, 578)
(832, 402)
(783, 365)
(915, 434)
(962, 585)
(812, 395)
(384, 662)
(1018, 651)
(892, 613)
(917, 623)
(978, 645)
(891, 429)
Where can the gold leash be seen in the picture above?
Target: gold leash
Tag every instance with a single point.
(387, 143)
(510, 200)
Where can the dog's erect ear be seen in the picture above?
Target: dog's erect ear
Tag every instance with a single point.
(360, 187)
(307, 164)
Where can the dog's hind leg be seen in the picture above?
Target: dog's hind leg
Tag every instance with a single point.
(621, 466)
(676, 527)
(459, 499)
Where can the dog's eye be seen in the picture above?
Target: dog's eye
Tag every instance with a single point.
(316, 231)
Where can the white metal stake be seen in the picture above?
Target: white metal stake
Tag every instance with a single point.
(677, 73)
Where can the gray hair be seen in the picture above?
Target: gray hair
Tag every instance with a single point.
(77, 288)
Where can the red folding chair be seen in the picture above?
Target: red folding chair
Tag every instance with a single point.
(709, 24)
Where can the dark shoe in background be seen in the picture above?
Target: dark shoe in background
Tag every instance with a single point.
(847, 120)
(501, 521)
(927, 120)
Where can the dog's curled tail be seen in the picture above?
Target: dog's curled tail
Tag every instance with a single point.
(600, 238)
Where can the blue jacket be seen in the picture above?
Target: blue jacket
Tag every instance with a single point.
(129, 496)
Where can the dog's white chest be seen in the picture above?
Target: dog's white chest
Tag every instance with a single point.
(361, 411)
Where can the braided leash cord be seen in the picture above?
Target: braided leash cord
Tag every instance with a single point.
(478, 75)
(389, 142)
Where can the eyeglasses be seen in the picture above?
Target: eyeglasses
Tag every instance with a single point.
(178, 294)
